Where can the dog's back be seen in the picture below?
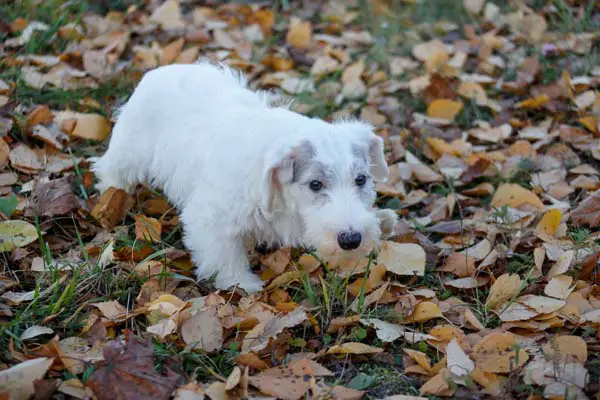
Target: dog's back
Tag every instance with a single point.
(178, 108)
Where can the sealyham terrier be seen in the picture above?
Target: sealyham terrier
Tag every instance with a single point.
(242, 168)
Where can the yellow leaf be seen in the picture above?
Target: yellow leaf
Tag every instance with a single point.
(497, 353)
(424, 312)
(374, 281)
(299, 34)
(16, 233)
(444, 109)
(590, 123)
(85, 126)
(354, 348)
(505, 288)
(549, 223)
(536, 102)
(428, 50)
(420, 358)
(402, 258)
(566, 348)
(472, 90)
(441, 147)
(284, 279)
(438, 385)
(513, 195)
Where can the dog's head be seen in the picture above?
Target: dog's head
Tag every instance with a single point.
(327, 178)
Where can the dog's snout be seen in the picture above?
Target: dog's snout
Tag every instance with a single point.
(349, 240)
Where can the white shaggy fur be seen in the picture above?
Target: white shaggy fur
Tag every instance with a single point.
(238, 167)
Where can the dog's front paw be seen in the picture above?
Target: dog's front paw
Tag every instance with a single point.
(387, 221)
(247, 281)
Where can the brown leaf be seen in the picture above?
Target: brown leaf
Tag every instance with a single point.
(53, 198)
(588, 211)
(258, 338)
(128, 373)
(147, 228)
(112, 207)
(289, 382)
(41, 115)
(497, 353)
(203, 330)
(17, 382)
(85, 126)
(299, 34)
(460, 265)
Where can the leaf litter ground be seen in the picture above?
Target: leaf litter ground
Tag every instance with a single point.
(486, 288)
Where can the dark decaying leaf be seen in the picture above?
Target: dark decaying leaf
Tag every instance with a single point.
(128, 373)
(53, 198)
(588, 211)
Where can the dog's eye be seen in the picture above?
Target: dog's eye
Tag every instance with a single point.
(315, 186)
(360, 180)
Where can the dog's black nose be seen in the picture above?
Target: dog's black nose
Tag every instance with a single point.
(349, 240)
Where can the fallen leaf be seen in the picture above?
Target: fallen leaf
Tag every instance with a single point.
(566, 348)
(559, 287)
(473, 6)
(458, 363)
(438, 385)
(112, 310)
(112, 207)
(506, 287)
(299, 34)
(498, 353)
(17, 382)
(35, 331)
(85, 126)
(16, 233)
(203, 330)
(402, 258)
(147, 228)
(353, 348)
(189, 391)
(588, 211)
(290, 382)
(168, 15)
(444, 109)
(514, 195)
(460, 265)
(541, 304)
(128, 372)
(585, 100)
(423, 312)
(388, 332)
(54, 198)
(258, 338)
(548, 224)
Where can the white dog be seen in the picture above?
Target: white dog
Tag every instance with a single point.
(239, 167)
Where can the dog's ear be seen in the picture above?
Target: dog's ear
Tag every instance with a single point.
(281, 167)
(364, 135)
